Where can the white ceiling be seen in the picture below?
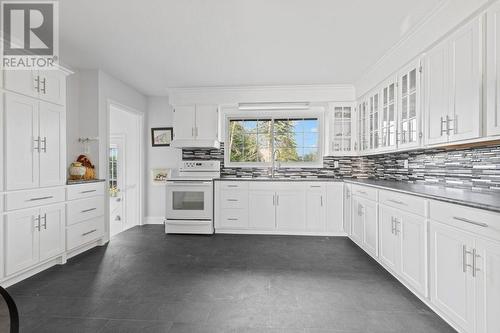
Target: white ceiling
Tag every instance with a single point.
(158, 44)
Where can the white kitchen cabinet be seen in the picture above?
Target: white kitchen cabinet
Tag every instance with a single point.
(487, 256)
(52, 144)
(316, 207)
(22, 142)
(358, 227)
(341, 130)
(453, 71)
(388, 117)
(52, 86)
(347, 211)
(370, 217)
(21, 81)
(452, 283)
(493, 70)
(35, 140)
(409, 108)
(290, 208)
(261, 207)
(32, 236)
(196, 126)
(334, 207)
(374, 102)
(389, 242)
(362, 125)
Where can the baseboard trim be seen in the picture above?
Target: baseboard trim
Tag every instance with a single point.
(18, 277)
(154, 220)
(279, 232)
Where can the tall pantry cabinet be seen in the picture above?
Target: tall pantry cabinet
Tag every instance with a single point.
(32, 170)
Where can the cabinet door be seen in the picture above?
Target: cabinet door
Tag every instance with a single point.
(358, 229)
(389, 241)
(291, 210)
(436, 94)
(52, 143)
(452, 284)
(347, 209)
(22, 142)
(341, 130)
(374, 121)
(21, 240)
(184, 122)
(21, 81)
(371, 227)
(389, 115)
(409, 115)
(53, 86)
(412, 235)
(493, 69)
(334, 207)
(362, 117)
(261, 205)
(488, 286)
(316, 208)
(206, 122)
(466, 82)
(52, 231)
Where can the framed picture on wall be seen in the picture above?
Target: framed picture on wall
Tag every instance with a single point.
(159, 176)
(161, 136)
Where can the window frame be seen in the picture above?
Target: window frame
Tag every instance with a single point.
(274, 115)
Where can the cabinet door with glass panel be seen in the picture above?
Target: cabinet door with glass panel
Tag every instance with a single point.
(341, 129)
(409, 115)
(389, 115)
(362, 125)
(374, 138)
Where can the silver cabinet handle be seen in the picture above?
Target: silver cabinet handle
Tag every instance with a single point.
(397, 202)
(277, 199)
(88, 210)
(315, 186)
(463, 219)
(232, 185)
(321, 199)
(44, 217)
(44, 82)
(361, 192)
(88, 191)
(464, 258)
(232, 219)
(445, 121)
(37, 147)
(232, 200)
(44, 142)
(37, 83)
(37, 219)
(474, 262)
(89, 232)
(392, 225)
(41, 198)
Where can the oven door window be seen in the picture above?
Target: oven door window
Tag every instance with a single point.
(188, 200)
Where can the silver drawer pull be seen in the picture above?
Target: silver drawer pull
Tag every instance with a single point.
(315, 186)
(89, 232)
(232, 219)
(397, 202)
(41, 198)
(232, 185)
(88, 210)
(362, 192)
(88, 191)
(463, 219)
(232, 200)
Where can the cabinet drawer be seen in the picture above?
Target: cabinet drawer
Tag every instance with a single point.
(316, 186)
(478, 221)
(233, 219)
(234, 199)
(33, 198)
(84, 232)
(81, 191)
(409, 203)
(230, 185)
(369, 193)
(84, 209)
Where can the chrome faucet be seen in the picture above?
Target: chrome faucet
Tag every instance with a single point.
(276, 154)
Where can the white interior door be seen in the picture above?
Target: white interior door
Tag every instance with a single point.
(52, 141)
(22, 142)
(117, 217)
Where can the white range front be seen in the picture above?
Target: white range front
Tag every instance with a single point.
(190, 198)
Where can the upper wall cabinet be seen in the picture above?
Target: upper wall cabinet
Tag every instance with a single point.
(48, 85)
(453, 81)
(409, 115)
(196, 126)
(362, 128)
(493, 69)
(389, 114)
(341, 130)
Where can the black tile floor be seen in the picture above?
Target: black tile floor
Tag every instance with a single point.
(145, 281)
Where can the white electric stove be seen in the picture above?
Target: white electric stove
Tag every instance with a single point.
(190, 198)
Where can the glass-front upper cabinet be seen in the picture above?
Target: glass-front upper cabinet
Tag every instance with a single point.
(341, 129)
(373, 121)
(409, 117)
(389, 115)
(362, 125)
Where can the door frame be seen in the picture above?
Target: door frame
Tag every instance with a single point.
(122, 138)
(109, 104)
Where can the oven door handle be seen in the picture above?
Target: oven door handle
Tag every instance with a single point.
(191, 183)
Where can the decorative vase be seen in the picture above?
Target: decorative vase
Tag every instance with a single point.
(77, 170)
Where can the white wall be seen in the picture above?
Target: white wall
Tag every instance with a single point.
(159, 114)
(437, 25)
(73, 148)
(128, 125)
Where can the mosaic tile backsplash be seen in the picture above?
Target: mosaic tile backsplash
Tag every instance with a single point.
(472, 168)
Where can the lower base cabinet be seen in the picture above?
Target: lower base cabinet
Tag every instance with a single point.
(365, 224)
(261, 209)
(32, 236)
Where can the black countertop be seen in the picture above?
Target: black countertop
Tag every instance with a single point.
(279, 179)
(83, 181)
(482, 200)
